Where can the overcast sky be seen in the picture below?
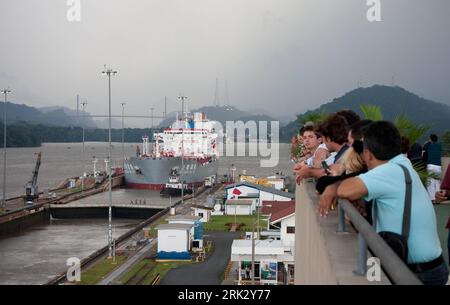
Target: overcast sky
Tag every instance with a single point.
(279, 56)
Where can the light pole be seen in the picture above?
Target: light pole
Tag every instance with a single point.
(151, 111)
(94, 161)
(5, 92)
(253, 242)
(182, 99)
(165, 106)
(109, 72)
(83, 104)
(123, 136)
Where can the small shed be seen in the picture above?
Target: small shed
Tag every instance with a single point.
(197, 225)
(174, 241)
(202, 211)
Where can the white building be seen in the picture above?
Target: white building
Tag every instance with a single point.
(183, 219)
(282, 217)
(262, 193)
(273, 263)
(287, 230)
(174, 240)
(202, 211)
(276, 182)
(239, 207)
(196, 231)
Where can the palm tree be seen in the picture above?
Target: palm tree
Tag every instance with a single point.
(371, 112)
(408, 129)
(315, 117)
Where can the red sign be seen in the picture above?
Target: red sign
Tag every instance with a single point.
(236, 191)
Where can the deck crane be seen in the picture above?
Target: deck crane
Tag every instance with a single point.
(31, 188)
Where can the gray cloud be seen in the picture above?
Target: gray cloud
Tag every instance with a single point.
(284, 56)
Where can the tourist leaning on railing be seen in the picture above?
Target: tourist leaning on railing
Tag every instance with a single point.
(350, 116)
(384, 183)
(444, 195)
(314, 142)
(334, 131)
(352, 165)
(432, 151)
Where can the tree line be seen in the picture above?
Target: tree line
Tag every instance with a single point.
(33, 135)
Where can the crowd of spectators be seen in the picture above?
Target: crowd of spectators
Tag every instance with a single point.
(369, 163)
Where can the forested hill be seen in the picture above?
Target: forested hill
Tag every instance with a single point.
(32, 135)
(393, 102)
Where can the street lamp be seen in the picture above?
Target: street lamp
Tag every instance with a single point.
(151, 111)
(109, 72)
(165, 106)
(253, 242)
(253, 253)
(182, 99)
(94, 161)
(5, 92)
(123, 136)
(83, 104)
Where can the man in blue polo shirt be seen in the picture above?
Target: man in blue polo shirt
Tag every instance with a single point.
(384, 183)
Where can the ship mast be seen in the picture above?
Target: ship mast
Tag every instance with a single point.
(182, 99)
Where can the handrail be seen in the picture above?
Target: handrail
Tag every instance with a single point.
(156, 279)
(397, 270)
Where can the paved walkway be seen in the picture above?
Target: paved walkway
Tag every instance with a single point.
(232, 277)
(208, 272)
(128, 264)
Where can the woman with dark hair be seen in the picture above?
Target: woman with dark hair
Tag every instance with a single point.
(350, 116)
(351, 165)
(404, 146)
(444, 195)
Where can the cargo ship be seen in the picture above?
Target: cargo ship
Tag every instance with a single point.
(188, 147)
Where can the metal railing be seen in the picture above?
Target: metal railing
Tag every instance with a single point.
(156, 280)
(396, 269)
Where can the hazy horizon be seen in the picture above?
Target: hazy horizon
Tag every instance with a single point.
(280, 57)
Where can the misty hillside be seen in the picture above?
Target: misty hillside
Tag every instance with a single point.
(393, 101)
(50, 116)
(87, 121)
(221, 114)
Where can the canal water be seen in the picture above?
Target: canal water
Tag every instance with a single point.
(61, 160)
(38, 254)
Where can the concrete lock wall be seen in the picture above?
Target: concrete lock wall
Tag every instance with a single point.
(323, 255)
(24, 223)
(312, 263)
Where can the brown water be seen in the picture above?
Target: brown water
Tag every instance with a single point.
(61, 160)
(36, 255)
(40, 253)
